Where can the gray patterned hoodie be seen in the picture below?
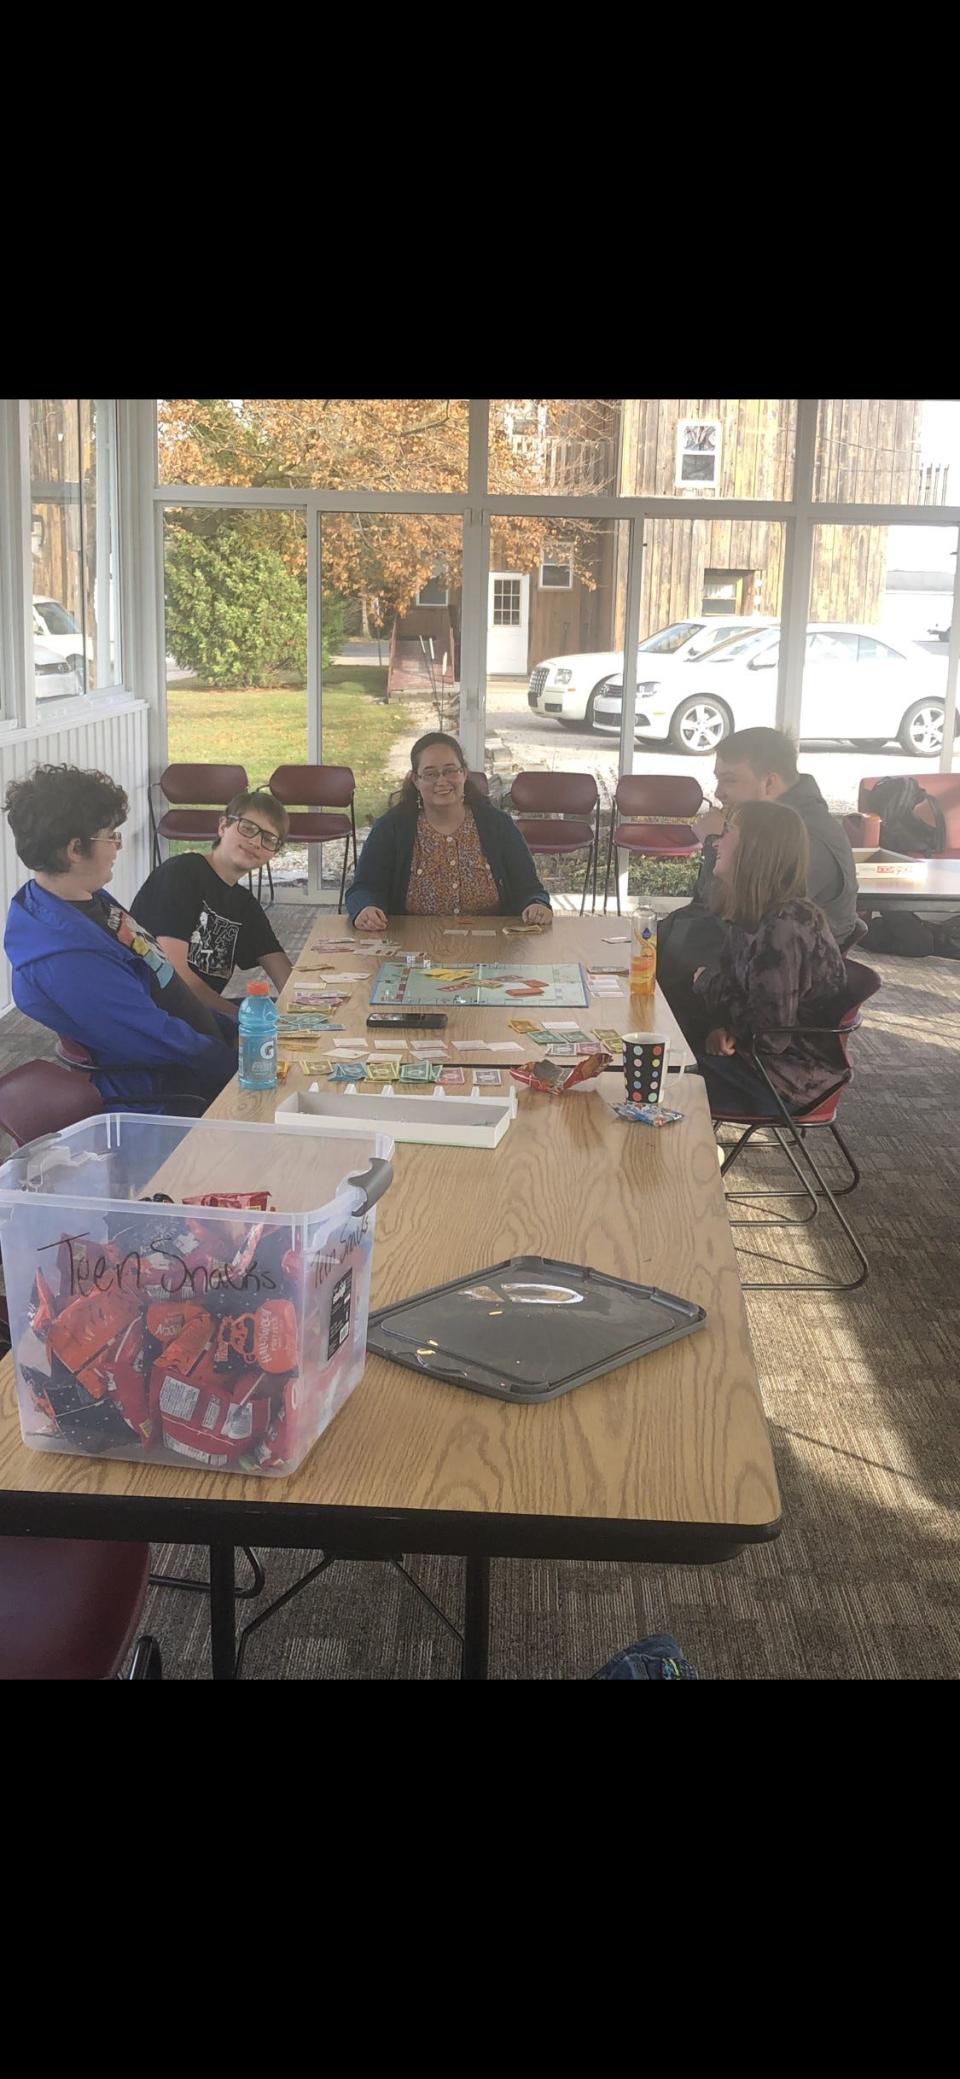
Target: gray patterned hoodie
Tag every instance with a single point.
(789, 971)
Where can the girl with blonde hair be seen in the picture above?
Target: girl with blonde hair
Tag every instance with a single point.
(779, 968)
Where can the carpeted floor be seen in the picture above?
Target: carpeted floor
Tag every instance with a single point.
(862, 1398)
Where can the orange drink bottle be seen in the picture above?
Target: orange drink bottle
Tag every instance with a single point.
(643, 952)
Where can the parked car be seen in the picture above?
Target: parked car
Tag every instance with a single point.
(52, 675)
(857, 687)
(58, 630)
(567, 687)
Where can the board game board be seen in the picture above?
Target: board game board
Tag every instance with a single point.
(500, 984)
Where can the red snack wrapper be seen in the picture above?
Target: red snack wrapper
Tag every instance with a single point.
(44, 1308)
(168, 1318)
(233, 1201)
(266, 1338)
(554, 1077)
(86, 1326)
(205, 1419)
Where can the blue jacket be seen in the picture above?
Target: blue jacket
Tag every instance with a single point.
(383, 872)
(82, 983)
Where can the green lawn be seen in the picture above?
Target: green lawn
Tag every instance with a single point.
(265, 726)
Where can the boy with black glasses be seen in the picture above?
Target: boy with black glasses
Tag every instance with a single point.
(202, 917)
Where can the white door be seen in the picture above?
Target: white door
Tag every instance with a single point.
(508, 620)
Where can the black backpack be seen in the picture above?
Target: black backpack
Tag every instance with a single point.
(895, 801)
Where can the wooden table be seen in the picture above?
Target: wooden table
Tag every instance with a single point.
(594, 941)
(930, 880)
(666, 1459)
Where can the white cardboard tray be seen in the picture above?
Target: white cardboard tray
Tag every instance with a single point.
(477, 1121)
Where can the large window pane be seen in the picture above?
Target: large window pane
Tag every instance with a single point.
(236, 635)
(72, 478)
(888, 451)
(319, 443)
(392, 600)
(876, 658)
(554, 606)
(708, 447)
(566, 446)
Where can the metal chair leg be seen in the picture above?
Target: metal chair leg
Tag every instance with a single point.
(196, 1586)
(586, 880)
(343, 876)
(789, 1125)
(606, 883)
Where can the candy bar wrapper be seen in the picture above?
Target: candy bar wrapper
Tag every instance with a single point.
(234, 1201)
(647, 1114)
(554, 1077)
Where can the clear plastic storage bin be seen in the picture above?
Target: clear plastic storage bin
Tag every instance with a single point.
(148, 1325)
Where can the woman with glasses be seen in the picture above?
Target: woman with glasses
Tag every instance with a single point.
(87, 969)
(203, 918)
(444, 851)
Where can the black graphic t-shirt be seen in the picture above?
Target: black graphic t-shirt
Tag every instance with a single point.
(224, 927)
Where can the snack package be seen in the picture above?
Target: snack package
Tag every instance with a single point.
(647, 1114)
(554, 1077)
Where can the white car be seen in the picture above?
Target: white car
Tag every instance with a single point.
(53, 677)
(858, 687)
(568, 687)
(57, 630)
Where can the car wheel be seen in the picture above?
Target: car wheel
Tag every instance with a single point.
(921, 730)
(698, 726)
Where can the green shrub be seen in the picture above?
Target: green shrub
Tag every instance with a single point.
(235, 615)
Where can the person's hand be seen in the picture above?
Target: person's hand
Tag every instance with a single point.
(721, 1041)
(709, 823)
(370, 919)
(536, 913)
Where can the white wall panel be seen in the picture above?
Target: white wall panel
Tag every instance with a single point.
(114, 740)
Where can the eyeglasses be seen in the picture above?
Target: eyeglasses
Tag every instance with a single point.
(110, 837)
(447, 772)
(268, 838)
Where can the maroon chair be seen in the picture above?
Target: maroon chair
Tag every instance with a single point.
(571, 798)
(69, 1611)
(75, 1056)
(184, 786)
(862, 983)
(480, 781)
(317, 789)
(38, 1097)
(643, 796)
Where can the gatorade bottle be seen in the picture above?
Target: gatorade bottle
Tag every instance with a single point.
(258, 1038)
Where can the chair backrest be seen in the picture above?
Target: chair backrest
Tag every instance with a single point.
(560, 793)
(202, 786)
(658, 794)
(38, 1097)
(74, 1054)
(313, 786)
(480, 781)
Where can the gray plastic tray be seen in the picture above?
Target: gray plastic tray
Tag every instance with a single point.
(529, 1329)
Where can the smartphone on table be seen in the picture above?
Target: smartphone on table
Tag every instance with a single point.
(409, 1021)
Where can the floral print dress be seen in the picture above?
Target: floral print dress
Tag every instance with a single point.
(449, 873)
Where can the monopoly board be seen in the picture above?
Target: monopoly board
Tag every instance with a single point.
(498, 983)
